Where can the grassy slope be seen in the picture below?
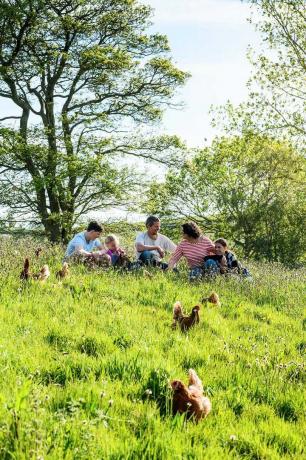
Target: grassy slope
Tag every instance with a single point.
(67, 349)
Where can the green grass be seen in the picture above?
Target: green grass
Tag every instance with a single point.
(77, 358)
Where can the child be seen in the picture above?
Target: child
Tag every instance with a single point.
(116, 253)
(224, 259)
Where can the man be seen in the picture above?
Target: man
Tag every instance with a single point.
(151, 246)
(83, 243)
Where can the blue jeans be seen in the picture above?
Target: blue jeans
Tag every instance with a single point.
(115, 259)
(149, 258)
(212, 267)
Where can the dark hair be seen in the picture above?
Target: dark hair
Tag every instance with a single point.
(151, 221)
(191, 229)
(222, 241)
(94, 226)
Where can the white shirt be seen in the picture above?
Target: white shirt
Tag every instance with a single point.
(161, 240)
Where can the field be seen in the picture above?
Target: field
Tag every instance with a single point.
(77, 358)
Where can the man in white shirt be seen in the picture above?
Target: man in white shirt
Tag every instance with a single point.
(151, 246)
(83, 243)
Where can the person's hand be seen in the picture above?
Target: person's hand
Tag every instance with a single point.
(223, 262)
(160, 251)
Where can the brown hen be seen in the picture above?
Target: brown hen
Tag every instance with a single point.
(185, 322)
(43, 275)
(25, 274)
(64, 272)
(190, 400)
(213, 298)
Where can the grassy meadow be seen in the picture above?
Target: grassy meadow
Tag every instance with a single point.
(78, 356)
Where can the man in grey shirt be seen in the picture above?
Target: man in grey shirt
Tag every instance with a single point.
(151, 246)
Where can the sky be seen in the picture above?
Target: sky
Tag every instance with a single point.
(209, 39)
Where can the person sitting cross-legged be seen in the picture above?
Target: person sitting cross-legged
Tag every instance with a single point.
(151, 245)
(82, 245)
(194, 248)
(224, 261)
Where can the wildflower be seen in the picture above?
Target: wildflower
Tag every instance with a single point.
(233, 437)
(110, 402)
(148, 392)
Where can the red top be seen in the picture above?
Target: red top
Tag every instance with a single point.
(193, 252)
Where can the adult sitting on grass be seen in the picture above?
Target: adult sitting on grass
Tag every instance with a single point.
(194, 247)
(151, 246)
(82, 245)
(224, 260)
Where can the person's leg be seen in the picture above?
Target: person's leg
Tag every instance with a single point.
(211, 267)
(114, 259)
(103, 261)
(163, 265)
(195, 273)
(148, 258)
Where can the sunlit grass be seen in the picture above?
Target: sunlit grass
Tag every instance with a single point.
(78, 356)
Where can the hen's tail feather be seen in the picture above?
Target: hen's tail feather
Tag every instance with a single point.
(177, 310)
(26, 265)
(194, 379)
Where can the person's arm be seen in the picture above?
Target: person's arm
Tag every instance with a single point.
(211, 246)
(143, 247)
(99, 245)
(79, 250)
(178, 253)
(169, 245)
(140, 246)
(78, 244)
(223, 264)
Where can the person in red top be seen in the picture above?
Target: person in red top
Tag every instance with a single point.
(194, 247)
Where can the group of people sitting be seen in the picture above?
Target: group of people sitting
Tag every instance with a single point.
(202, 255)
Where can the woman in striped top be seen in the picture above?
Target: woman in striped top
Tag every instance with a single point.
(194, 247)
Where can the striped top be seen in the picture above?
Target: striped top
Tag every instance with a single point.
(193, 252)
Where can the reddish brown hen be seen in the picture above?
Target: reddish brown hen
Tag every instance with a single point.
(190, 400)
(185, 322)
(213, 298)
(25, 274)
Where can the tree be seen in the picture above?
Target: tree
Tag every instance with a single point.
(277, 89)
(77, 70)
(249, 189)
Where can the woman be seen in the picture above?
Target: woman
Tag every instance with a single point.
(194, 247)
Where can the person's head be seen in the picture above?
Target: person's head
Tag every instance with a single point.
(220, 246)
(112, 242)
(153, 225)
(191, 231)
(93, 230)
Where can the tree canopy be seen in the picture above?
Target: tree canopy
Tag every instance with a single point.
(83, 75)
(277, 88)
(249, 189)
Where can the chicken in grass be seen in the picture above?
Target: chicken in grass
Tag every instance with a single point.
(43, 275)
(185, 322)
(190, 400)
(25, 274)
(38, 251)
(64, 272)
(213, 298)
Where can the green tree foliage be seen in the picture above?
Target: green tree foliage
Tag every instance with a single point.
(249, 189)
(277, 88)
(78, 71)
